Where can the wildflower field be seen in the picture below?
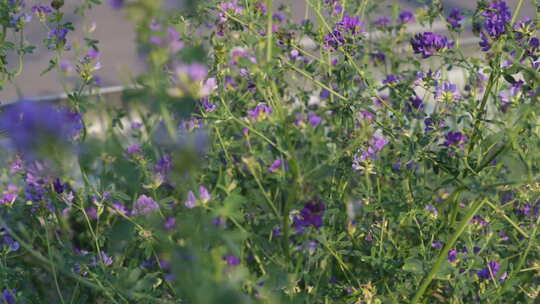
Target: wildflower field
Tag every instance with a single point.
(364, 153)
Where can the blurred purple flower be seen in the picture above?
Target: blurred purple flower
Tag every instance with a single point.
(275, 166)
(455, 18)
(34, 125)
(8, 296)
(452, 255)
(382, 22)
(116, 4)
(169, 223)
(455, 139)
(204, 195)
(391, 80)
(376, 144)
(232, 260)
(144, 205)
(311, 215)
(191, 201)
(436, 244)
(313, 119)
(260, 112)
(406, 17)
(134, 149)
(119, 208)
(490, 271)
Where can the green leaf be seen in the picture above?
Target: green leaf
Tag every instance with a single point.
(413, 265)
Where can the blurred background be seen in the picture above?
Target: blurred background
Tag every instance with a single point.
(119, 58)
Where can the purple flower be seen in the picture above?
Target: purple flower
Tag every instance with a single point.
(484, 42)
(169, 223)
(144, 205)
(92, 213)
(452, 255)
(436, 244)
(219, 222)
(58, 38)
(447, 92)
(275, 166)
(134, 149)
(478, 220)
(163, 166)
(497, 16)
(8, 296)
(431, 209)
(207, 106)
(32, 126)
(406, 17)
(455, 139)
(428, 44)
(324, 94)
(376, 144)
(58, 186)
(232, 260)
(119, 208)
(311, 215)
(391, 80)
(191, 201)
(313, 119)
(377, 57)
(455, 18)
(382, 22)
(8, 198)
(196, 72)
(347, 27)
(490, 271)
(260, 112)
(106, 259)
(41, 11)
(261, 7)
(204, 195)
(116, 4)
(415, 103)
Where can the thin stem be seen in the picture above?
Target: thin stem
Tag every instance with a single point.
(269, 31)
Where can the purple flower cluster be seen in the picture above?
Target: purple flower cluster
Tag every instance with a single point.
(41, 11)
(8, 296)
(428, 44)
(406, 17)
(260, 112)
(455, 18)
(33, 125)
(376, 144)
(455, 139)
(204, 196)
(490, 271)
(347, 27)
(144, 205)
(116, 4)
(447, 92)
(58, 37)
(311, 215)
(496, 18)
(231, 260)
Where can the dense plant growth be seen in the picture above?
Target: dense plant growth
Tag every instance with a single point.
(349, 157)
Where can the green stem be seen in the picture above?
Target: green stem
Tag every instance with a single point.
(444, 253)
(269, 31)
(521, 262)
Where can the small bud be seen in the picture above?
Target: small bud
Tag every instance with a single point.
(57, 4)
